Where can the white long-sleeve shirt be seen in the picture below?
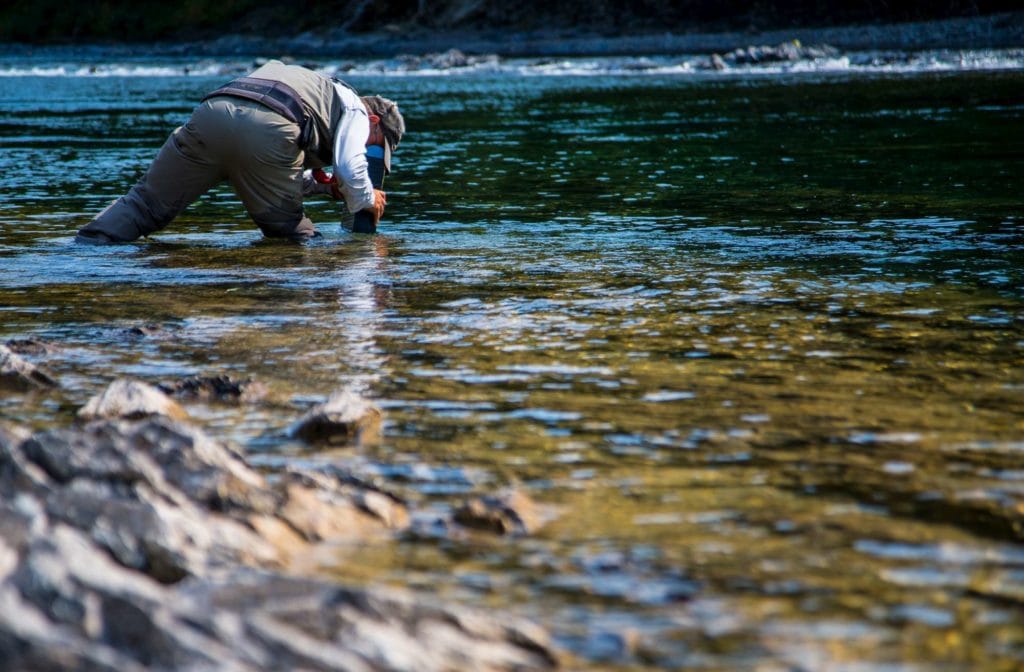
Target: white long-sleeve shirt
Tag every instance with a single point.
(350, 152)
(349, 155)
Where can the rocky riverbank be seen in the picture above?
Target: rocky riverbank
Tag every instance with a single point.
(133, 540)
(993, 31)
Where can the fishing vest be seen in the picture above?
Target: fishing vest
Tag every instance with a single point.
(300, 95)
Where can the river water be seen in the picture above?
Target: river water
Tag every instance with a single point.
(752, 338)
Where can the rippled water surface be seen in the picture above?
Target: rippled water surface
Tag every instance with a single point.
(754, 341)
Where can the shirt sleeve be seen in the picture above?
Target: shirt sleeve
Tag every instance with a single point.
(350, 153)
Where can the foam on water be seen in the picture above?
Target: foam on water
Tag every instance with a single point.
(861, 62)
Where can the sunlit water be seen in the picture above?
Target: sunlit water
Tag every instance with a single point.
(754, 339)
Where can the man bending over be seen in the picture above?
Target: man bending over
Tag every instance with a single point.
(263, 134)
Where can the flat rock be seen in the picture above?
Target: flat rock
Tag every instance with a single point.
(132, 399)
(344, 418)
(18, 373)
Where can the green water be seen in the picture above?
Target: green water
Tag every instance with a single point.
(755, 342)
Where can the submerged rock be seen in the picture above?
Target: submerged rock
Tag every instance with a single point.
(31, 346)
(220, 387)
(132, 399)
(148, 545)
(146, 330)
(508, 513)
(19, 373)
(344, 418)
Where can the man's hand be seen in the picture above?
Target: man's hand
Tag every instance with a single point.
(379, 201)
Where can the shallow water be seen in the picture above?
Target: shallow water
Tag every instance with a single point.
(756, 341)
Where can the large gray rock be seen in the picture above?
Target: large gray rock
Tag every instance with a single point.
(65, 605)
(149, 546)
(20, 374)
(165, 499)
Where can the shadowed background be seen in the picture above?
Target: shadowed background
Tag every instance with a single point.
(141, 20)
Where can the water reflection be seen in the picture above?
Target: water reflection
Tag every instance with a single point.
(361, 306)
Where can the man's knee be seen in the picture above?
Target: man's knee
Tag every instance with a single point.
(301, 229)
(117, 223)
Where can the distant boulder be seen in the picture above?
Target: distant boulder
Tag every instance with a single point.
(716, 62)
(448, 60)
(787, 52)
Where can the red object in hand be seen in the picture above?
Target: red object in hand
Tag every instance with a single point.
(323, 178)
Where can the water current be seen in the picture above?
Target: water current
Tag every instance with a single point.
(753, 338)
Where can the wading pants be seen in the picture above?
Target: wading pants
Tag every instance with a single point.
(227, 139)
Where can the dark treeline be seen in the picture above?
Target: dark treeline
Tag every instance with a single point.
(141, 20)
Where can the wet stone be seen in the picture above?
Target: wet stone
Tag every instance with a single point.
(18, 373)
(334, 489)
(344, 418)
(146, 330)
(507, 513)
(222, 387)
(31, 346)
(131, 399)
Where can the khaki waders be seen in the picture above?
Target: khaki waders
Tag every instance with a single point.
(227, 139)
